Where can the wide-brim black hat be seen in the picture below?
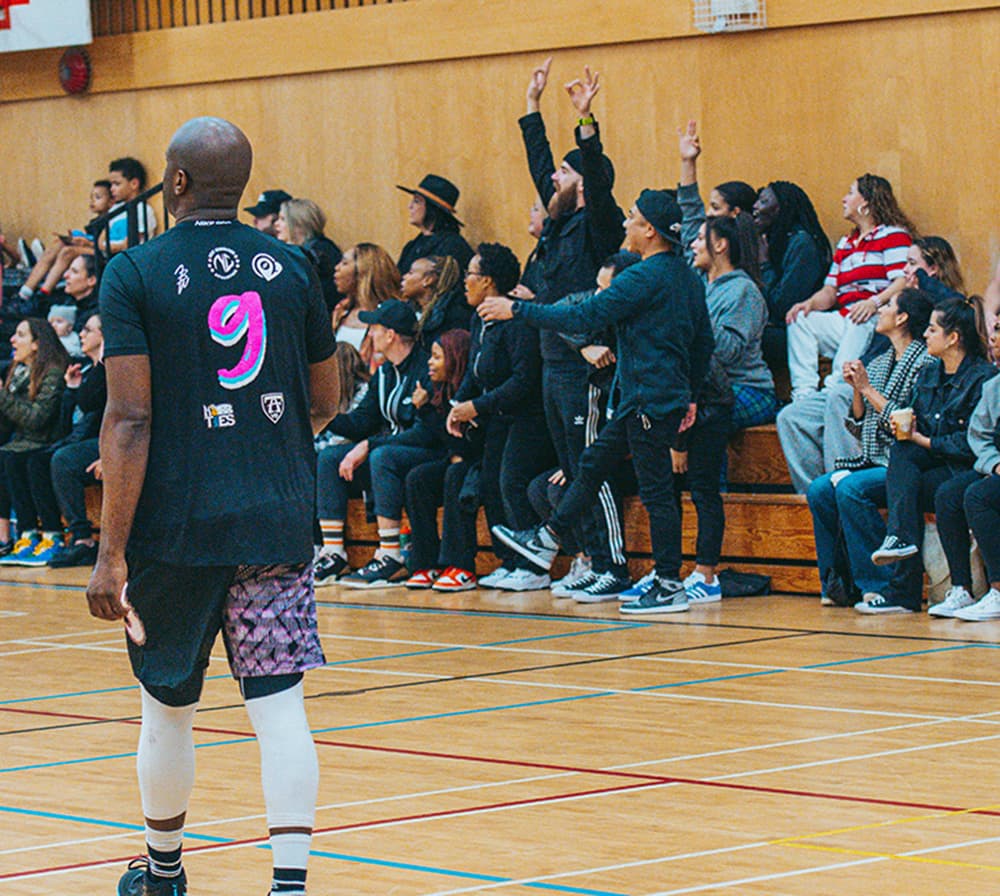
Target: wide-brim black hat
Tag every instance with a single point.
(439, 190)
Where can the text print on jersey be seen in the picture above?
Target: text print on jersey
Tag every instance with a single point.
(230, 319)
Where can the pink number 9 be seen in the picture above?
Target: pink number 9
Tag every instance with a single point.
(230, 319)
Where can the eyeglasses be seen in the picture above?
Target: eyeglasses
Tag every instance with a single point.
(474, 274)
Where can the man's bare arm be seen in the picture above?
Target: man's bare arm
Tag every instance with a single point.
(324, 393)
(124, 449)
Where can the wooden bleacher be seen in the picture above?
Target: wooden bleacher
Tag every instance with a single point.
(768, 528)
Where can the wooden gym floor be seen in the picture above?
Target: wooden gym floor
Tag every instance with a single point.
(483, 743)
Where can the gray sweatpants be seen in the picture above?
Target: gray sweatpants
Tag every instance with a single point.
(813, 434)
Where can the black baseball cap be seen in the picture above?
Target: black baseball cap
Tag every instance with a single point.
(660, 208)
(268, 203)
(393, 315)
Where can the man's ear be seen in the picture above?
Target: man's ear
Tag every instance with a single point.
(180, 184)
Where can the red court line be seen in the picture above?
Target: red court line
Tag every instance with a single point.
(361, 825)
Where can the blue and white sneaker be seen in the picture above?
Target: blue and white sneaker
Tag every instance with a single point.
(666, 596)
(639, 588)
(49, 547)
(23, 549)
(701, 592)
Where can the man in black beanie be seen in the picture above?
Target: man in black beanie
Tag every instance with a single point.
(665, 343)
(584, 229)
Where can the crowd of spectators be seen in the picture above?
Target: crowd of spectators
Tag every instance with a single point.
(621, 357)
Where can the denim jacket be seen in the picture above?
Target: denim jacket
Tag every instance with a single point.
(943, 407)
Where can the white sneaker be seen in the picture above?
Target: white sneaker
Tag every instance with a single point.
(988, 608)
(498, 575)
(955, 598)
(578, 569)
(524, 580)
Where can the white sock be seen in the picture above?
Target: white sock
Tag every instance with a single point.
(289, 773)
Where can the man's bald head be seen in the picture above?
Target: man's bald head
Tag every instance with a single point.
(208, 166)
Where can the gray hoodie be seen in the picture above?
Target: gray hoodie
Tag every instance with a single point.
(739, 313)
(983, 425)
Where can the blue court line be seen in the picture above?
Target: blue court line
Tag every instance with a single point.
(894, 656)
(609, 627)
(345, 857)
(490, 709)
(478, 614)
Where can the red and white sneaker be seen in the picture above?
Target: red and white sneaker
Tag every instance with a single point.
(423, 578)
(455, 579)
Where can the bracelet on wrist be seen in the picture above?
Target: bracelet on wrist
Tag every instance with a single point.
(587, 119)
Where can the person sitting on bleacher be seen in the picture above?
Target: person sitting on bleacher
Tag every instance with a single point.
(49, 269)
(867, 270)
(81, 288)
(931, 265)
(432, 211)
(128, 180)
(433, 286)
(795, 256)
(393, 459)
(847, 499)
(966, 501)
(366, 276)
(343, 471)
(726, 199)
(726, 251)
(934, 449)
(75, 462)
(30, 402)
(301, 222)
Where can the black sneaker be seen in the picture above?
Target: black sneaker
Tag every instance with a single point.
(137, 881)
(380, 573)
(537, 545)
(607, 586)
(75, 555)
(893, 549)
(328, 568)
(666, 596)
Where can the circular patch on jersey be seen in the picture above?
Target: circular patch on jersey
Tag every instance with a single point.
(266, 266)
(223, 262)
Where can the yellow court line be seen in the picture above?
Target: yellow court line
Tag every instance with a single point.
(888, 855)
(795, 841)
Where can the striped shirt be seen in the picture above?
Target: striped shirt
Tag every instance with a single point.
(863, 266)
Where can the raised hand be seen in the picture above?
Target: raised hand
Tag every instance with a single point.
(582, 92)
(536, 86)
(689, 141)
(73, 376)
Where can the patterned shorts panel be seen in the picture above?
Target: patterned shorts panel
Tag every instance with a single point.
(269, 621)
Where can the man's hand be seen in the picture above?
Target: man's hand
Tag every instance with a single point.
(558, 478)
(496, 308)
(798, 308)
(105, 588)
(582, 92)
(689, 418)
(862, 311)
(521, 292)
(536, 86)
(679, 461)
(73, 376)
(461, 414)
(352, 460)
(598, 355)
(96, 469)
(689, 141)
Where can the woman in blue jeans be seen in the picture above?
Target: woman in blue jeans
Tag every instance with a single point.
(848, 499)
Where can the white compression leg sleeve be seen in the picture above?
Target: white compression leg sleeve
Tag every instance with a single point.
(165, 761)
(289, 772)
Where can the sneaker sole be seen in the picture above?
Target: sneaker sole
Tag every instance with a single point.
(542, 560)
(512, 589)
(469, 586)
(992, 617)
(714, 599)
(882, 611)
(595, 598)
(381, 583)
(942, 613)
(887, 557)
(644, 611)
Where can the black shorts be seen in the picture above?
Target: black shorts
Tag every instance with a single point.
(267, 616)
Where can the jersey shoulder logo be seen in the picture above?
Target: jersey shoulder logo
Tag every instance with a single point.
(223, 262)
(265, 266)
